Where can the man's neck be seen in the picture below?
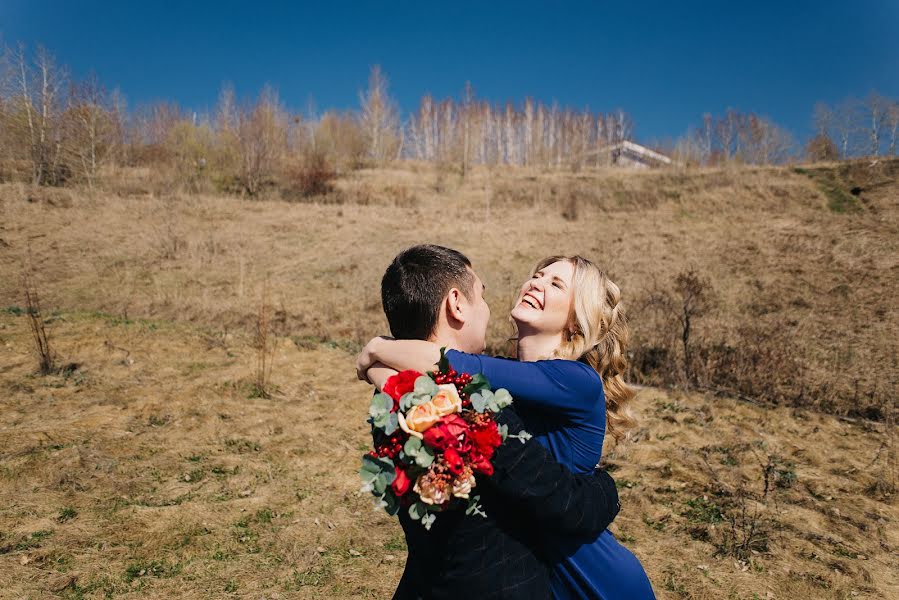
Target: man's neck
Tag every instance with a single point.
(445, 339)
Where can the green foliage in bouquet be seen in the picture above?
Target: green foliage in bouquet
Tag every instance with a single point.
(381, 413)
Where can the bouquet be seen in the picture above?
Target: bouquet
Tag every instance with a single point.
(432, 433)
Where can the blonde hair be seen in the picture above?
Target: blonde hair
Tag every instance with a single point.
(597, 335)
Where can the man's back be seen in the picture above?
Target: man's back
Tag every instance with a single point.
(472, 556)
(498, 556)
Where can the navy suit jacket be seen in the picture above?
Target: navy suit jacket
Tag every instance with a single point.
(530, 495)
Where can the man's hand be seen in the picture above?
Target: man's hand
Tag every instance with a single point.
(368, 357)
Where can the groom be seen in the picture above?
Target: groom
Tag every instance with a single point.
(431, 292)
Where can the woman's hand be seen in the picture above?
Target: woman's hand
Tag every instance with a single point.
(368, 357)
(418, 355)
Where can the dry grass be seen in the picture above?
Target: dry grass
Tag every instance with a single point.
(151, 470)
(779, 258)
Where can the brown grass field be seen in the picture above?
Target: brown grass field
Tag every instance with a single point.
(150, 466)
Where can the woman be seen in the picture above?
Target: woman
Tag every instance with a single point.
(568, 388)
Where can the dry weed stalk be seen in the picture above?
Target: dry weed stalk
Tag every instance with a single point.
(46, 356)
(693, 295)
(263, 344)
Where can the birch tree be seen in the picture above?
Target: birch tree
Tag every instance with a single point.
(892, 120)
(93, 128)
(876, 107)
(36, 109)
(379, 117)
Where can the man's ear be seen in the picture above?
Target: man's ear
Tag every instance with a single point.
(455, 308)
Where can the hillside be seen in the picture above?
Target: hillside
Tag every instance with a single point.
(151, 471)
(149, 465)
(798, 266)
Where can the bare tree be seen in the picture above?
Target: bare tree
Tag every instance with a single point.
(823, 119)
(262, 140)
(727, 132)
(379, 117)
(876, 107)
(846, 117)
(339, 138)
(761, 141)
(822, 147)
(7, 86)
(93, 128)
(468, 118)
(706, 134)
(892, 120)
(36, 107)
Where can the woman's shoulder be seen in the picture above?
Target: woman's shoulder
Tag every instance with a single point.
(576, 372)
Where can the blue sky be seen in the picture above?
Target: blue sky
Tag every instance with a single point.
(666, 63)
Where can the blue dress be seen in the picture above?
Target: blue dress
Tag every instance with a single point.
(562, 403)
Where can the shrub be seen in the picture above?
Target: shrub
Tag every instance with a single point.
(314, 177)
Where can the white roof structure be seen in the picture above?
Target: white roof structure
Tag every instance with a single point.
(628, 153)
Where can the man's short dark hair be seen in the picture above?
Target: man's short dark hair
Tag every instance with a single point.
(415, 284)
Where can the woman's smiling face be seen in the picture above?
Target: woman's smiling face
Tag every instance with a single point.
(544, 302)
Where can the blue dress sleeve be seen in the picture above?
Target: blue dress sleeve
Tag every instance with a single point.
(565, 386)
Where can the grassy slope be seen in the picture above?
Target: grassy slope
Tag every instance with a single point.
(777, 256)
(182, 485)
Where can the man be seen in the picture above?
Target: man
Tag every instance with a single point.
(431, 292)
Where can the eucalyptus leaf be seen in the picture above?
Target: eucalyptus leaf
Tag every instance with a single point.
(425, 457)
(503, 398)
(393, 504)
(375, 465)
(381, 404)
(380, 421)
(373, 468)
(367, 477)
(382, 482)
(392, 423)
(425, 385)
(422, 398)
(474, 507)
(412, 446)
(378, 486)
(406, 401)
(478, 402)
(418, 510)
(421, 454)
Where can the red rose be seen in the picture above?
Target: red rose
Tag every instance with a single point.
(400, 384)
(436, 436)
(402, 483)
(455, 425)
(453, 461)
(486, 439)
(445, 432)
(480, 464)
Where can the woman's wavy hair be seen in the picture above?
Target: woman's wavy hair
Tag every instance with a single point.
(598, 335)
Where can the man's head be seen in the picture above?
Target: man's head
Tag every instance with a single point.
(431, 292)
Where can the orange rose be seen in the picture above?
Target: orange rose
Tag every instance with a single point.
(419, 418)
(447, 400)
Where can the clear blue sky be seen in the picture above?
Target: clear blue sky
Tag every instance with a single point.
(664, 62)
